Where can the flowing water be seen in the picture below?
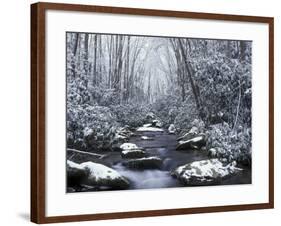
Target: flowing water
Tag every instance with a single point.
(163, 145)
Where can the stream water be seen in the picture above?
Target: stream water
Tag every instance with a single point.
(163, 145)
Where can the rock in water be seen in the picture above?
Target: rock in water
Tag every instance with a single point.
(131, 150)
(102, 175)
(194, 143)
(149, 129)
(172, 129)
(157, 123)
(99, 175)
(144, 163)
(146, 138)
(129, 154)
(76, 174)
(204, 172)
(129, 146)
(123, 134)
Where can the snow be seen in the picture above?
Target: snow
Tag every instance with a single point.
(128, 146)
(147, 125)
(125, 152)
(146, 138)
(213, 152)
(149, 158)
(99, 171)
(195, 139)
(190, 134)
(172, 128)
(74, 165)
(149, 129)
(121, 137)
(131, 148)
(157, 123)
(206, 170)
(87, 131)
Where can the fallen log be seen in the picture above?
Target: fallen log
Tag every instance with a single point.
(87, 153)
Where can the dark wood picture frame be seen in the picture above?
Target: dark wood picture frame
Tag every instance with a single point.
(38, 95)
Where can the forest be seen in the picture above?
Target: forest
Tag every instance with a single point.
(157, 112)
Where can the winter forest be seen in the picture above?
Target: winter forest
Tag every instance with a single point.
(157, 112)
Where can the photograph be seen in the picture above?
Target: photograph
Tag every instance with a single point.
(151, 112)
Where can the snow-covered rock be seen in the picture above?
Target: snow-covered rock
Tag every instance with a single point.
(131, 150)
(149, 129)
(212, 152)
(146, 138)
(204, 172)
(191, 133)
(152, 162)
(128, 146)
(76, 174)
(194, 143)
(131, 154)
(172, 129)
(123, 134)
(150, 116)
(157, 123)
(97, 175)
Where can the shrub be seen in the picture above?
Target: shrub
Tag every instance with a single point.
(230, 144)
(133, 115)
(90, 127)
(186, 115)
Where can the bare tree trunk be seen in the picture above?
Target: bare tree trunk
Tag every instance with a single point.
(149, 88)
(86, 56)
(110, 52)
(95, 62)
(193, 85)
(126, 85)
(238, 106)
(242, 50)
(228, 49)
(76, 43)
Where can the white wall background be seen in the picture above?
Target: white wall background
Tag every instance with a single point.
(15, 114)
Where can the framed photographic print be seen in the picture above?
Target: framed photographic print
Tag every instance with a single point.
(141, 112)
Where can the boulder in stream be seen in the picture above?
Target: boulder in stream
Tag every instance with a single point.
(193, 143)
(146, 138)
(96, 175)
(204, 172)
(156, 123)
(149, 129)
(130, 150)
(152, 162)
(132, 154)
(76, 174)
(123, 134)
(172, 129)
